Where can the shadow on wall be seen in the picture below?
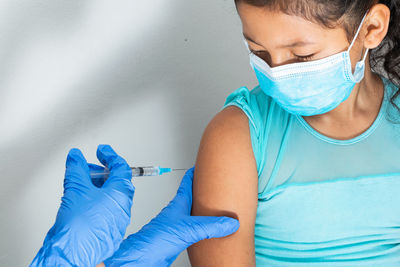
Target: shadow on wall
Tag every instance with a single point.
(28, 21)
(160, 60)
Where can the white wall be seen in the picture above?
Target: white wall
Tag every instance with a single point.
(143, 76)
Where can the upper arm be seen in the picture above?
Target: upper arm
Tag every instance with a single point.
(225, 184)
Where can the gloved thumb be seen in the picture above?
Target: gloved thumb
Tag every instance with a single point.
(205, 227)
(120, 172)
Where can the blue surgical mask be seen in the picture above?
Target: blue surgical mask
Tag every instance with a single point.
(310, 88)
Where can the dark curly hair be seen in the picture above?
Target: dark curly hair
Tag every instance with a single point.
(385, 59)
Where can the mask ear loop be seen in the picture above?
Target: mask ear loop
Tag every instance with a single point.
(365, 56)
(246, 44)
(358, 31)
(361, 63)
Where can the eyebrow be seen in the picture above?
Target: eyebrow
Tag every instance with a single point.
(297, 43)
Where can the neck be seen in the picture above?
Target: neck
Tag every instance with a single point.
(365, 95)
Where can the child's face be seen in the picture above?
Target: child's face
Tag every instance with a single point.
(271, 33)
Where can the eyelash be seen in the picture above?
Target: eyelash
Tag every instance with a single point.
(302, 58)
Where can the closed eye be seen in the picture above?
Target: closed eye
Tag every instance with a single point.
(305, 58)
(300, 58)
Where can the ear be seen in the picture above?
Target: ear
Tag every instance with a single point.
(377, 25)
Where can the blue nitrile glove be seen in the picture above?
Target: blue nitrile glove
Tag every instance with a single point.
(91, 221)
(160, 241)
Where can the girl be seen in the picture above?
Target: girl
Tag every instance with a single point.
(308, 160)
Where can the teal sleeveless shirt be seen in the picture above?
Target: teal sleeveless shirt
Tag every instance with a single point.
(322, 201)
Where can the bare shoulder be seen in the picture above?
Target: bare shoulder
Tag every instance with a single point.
(225, 184)
(227, 131)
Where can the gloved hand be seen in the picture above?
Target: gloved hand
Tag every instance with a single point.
(91, 221)
(160, 241)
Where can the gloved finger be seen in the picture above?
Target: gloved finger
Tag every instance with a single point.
(97, 180)
(77, 170)
(114, 163)
(185, 188)
(120, 172)
(204, 227)
(182, 202)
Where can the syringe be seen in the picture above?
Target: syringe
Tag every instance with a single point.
(136, 172)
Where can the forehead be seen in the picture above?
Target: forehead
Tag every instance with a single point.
(275, 27)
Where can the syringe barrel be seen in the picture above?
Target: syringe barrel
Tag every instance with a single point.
(100, 174)
(145, 171)
(136, 172)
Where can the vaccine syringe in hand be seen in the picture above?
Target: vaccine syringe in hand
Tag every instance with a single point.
(136, 172)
